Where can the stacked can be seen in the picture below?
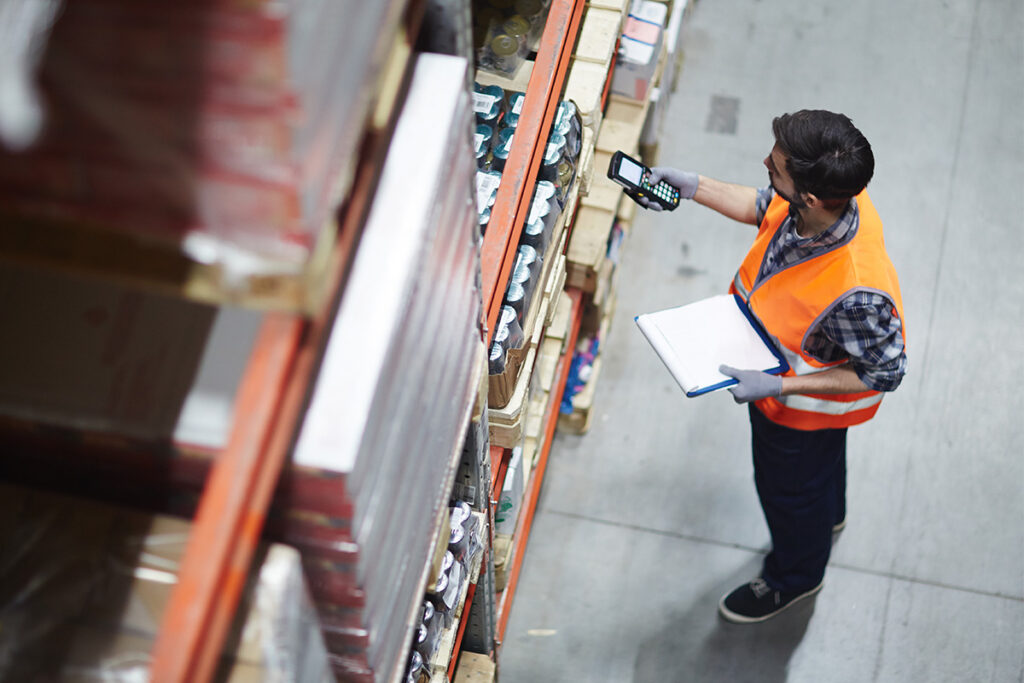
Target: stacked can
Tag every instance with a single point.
(509, 334)
(505, 30)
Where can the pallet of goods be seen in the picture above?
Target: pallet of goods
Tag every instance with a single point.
(203, 149)
(86, 585)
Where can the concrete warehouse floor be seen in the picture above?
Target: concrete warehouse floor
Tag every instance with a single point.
(644, 522)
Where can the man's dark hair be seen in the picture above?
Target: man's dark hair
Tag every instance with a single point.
(826, 155)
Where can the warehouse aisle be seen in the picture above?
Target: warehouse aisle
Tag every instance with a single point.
(648, 519)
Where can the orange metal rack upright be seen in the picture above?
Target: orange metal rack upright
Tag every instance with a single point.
(516, 190)
(269, 405)
(537, 477)
(232, 510)
(507, 218)
(270, 401)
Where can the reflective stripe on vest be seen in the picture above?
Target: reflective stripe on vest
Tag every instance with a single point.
(739, 287)
(829, 407)
(791, 301)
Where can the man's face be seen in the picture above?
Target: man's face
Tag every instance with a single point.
(780, 179)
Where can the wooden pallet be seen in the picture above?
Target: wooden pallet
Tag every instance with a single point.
(620, 129)
(618, 5)
(475, 668)
(578, 422)
(594, 58)
(599, 34)
(502, 386)
(502, 549)
(551, 350)
(585, 85)
(588, 246)
(506, 424)
(440, 663)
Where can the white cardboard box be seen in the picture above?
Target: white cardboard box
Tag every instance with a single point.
(638, 58)
(511, 499)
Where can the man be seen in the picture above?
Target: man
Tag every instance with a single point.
(820, 282)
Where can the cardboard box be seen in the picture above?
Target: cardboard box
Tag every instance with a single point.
(88, 585)
(511, 499)
(639, 49)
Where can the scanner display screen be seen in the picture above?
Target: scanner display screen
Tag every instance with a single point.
(631, 171)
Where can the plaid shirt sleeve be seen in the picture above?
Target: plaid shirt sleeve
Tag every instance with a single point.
(865, 328)
(764, 198)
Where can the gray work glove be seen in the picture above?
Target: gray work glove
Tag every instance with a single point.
(753, 384)
(685, 181)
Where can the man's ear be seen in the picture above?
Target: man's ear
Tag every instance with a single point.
(811, 200)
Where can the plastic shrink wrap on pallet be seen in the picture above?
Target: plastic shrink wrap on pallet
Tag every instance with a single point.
(228, 129)
(83, 588)
(382, 438)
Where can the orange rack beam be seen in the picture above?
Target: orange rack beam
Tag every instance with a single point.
(512, 203)
(268, 411)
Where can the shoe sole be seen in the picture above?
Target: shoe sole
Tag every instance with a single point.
(839, 527)
(735, 618)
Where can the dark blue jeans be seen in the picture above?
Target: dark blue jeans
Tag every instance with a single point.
(801, 481)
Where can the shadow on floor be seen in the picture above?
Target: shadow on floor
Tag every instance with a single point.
(701, 647)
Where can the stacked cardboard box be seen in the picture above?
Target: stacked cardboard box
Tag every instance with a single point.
(227, 129)
(382, 438)
(85, 586)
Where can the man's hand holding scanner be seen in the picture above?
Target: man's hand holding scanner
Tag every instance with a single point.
(685, 181)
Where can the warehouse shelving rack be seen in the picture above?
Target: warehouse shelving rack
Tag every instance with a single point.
(516, 190)
(269, 407)
(272, 395)
(508, 215)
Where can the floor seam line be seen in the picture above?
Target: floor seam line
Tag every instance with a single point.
(761, 551)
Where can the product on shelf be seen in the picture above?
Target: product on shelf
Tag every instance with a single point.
(497, 114)
(487, 183)
(506, 31)
(428, 631)
(535, 233)
(488, 104)
(224, 131)
(85, 587)
(438, 616)
(505, 46)
(509, 334)
(515, 109)
(482, 143)
(375, 446)
(555, 179)
(464, 541)
(579, 371)
(417, 671)
(510, 501)
(502, 148)
(526, 270)
(639, 50)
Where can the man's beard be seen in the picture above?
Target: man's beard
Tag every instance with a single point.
(795, 202)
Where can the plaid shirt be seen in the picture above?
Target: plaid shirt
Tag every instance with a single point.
(863, 326)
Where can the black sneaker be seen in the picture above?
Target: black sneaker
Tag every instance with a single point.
(757, 601)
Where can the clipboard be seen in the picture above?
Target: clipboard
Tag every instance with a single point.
(695, 339)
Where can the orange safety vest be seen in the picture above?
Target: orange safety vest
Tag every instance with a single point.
(790, 302)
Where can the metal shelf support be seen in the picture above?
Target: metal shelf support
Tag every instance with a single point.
(512, 203)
